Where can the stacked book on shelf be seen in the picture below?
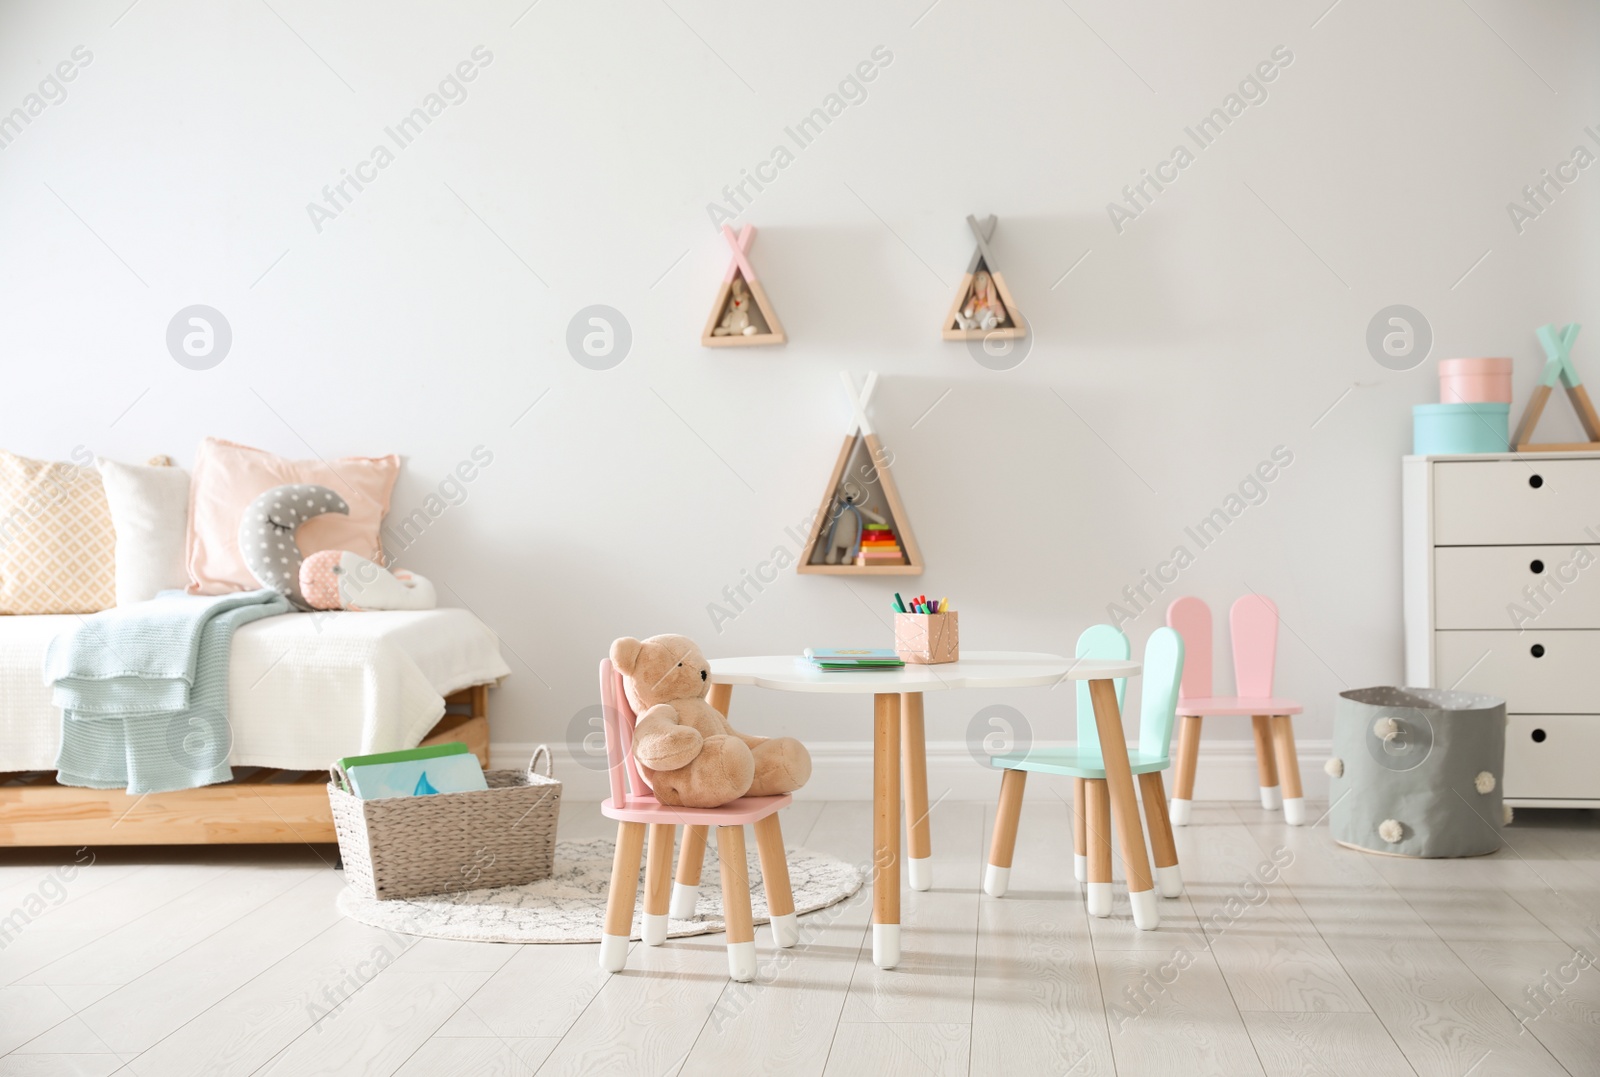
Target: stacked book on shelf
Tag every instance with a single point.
(842, 659)
(879, 546)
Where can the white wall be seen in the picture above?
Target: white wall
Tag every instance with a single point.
(426, 318)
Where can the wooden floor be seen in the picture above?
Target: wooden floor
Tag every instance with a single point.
(213, 962)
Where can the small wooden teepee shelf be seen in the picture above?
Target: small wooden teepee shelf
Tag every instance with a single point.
(741, 299)
(963, 321)
(869, 486)
(1558, 367)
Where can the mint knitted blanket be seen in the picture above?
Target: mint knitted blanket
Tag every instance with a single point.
(143, 691)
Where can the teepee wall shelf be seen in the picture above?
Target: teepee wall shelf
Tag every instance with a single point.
(1558, 367)
(860, 490)
(965, 320)
(743, 315)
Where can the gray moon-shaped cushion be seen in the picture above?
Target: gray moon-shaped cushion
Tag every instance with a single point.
(267, 534)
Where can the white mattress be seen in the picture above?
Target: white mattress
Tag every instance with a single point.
(304, 689)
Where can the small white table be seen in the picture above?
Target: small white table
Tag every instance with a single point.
(897, 712)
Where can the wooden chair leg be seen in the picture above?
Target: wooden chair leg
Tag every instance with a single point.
(1183, 771)
(1165, 850)
(914, 771)
(1125, 806)
(1294, 804)
(997, 875)
(1271, 797)
(1097, 828)
(1080, 847)
(686, 887)
(657, 882)
(741, 930)
(619, 900)
(775, 878)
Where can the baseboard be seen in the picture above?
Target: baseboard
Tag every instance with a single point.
(842, 770)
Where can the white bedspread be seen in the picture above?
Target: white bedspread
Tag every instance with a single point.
(304, 689)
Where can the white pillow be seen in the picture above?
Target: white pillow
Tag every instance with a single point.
(150, 513)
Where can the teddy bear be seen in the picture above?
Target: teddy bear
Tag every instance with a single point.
(685, 748)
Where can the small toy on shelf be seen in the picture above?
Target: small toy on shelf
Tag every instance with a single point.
(982, 310)
(736, 319)
(983, 306)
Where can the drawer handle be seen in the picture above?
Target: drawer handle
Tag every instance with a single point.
(1538, 736)
(1535, 481)
(1536, 566)
(1537, 650)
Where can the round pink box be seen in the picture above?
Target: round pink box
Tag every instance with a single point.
(1475, 381)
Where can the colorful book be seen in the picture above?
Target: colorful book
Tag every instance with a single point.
(840, 659)
(440, 768)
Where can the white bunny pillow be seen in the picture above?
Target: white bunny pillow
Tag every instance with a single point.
(341, 580)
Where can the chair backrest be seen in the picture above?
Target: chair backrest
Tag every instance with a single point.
(1253, 621)
(1098, 641)
(1190, 617)
(1158, 693)
(617, 717)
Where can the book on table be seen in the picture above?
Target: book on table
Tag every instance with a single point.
(841, 659)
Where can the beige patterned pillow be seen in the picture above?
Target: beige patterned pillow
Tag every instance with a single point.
(56, 540)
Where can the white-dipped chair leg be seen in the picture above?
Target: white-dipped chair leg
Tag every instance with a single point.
(996, 880)
(1146, 912)
(786, 930)
(1179, 811)
(886, 945)
(919, 871)
(1271, 797)
(1169, 881)
(1294, 811)
(613, 952)
(1097, 899)
(1080, 867)
(684, 899)
(654, 931)
(742, 961)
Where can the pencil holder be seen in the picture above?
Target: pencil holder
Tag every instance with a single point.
(927, 639)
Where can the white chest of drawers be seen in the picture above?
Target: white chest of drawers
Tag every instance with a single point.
(1501, 558)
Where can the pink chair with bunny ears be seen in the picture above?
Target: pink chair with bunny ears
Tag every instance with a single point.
(635, 808)
(1253, 623)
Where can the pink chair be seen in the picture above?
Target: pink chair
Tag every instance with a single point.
(634, 807)
(1253, 621)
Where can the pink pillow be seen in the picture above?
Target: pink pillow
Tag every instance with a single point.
(227, 477)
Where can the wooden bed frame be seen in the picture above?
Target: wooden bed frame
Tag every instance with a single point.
(260, 805)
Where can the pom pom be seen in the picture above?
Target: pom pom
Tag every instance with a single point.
(1507, 814)
(1385, 727)
(1391, 831)
(1334, 767)
(1484, 782)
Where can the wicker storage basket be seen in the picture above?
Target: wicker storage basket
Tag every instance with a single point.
(402, 847)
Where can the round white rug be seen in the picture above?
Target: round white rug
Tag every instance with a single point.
(570, 905)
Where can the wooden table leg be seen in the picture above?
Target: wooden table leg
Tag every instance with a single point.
(1183, 770)
(1124, 804)
(886, 830)
(914, 754)
(1294, 804)
(1261, 727)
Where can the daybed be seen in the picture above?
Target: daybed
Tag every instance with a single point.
(304, 690)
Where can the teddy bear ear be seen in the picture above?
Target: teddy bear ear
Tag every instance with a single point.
(625, 654)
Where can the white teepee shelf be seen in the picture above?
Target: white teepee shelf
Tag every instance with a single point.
(874, 479)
